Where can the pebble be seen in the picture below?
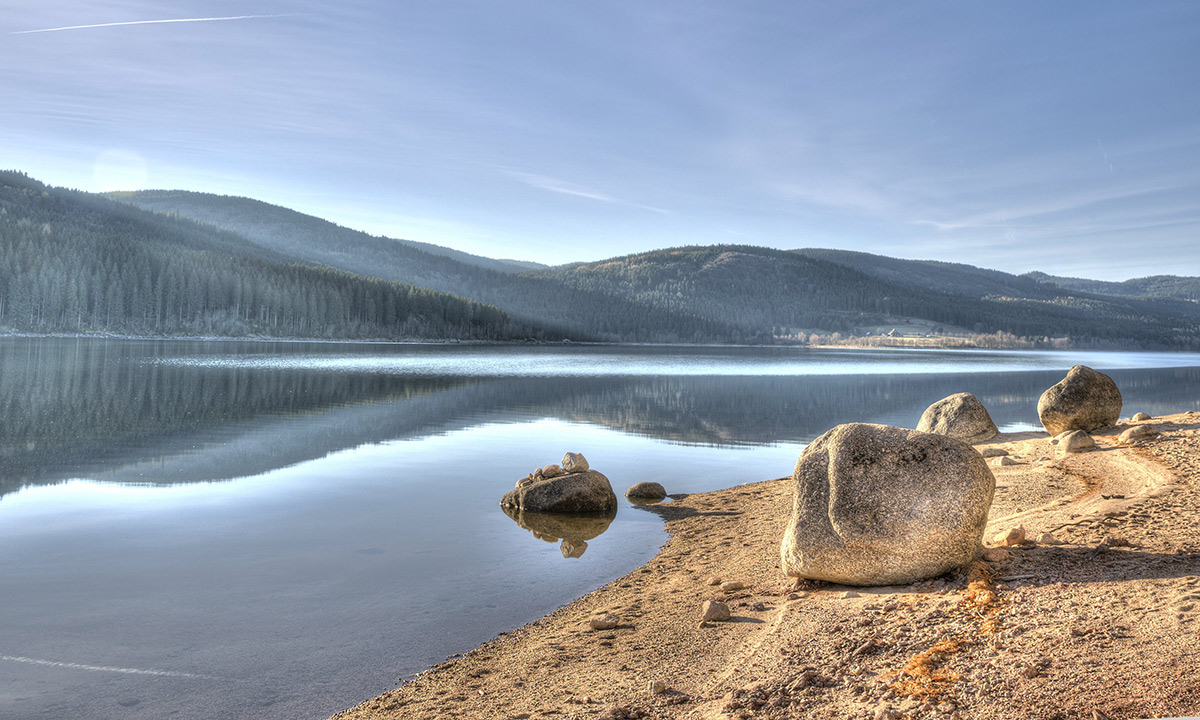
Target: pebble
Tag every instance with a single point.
(996, 555)
(604, 622)
(732, 585)
(848, 594)
(714, 580)
(1048, 539)
(1139, 417)
(1014, 536)
(657, 687)
(991, 452)
(714, 610)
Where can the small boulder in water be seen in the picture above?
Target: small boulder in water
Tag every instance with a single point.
(646, 491)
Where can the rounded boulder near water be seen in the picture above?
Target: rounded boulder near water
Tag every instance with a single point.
(882, 505)
(1084, 400)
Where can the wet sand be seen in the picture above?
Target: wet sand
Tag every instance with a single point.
(1105, 625)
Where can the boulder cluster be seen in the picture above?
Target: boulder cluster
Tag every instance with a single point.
(882, 505)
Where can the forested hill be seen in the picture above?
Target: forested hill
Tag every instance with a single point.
(76, 262)
(778, 292)
(320, 241)
(1155, 286)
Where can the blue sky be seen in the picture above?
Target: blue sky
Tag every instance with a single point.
(1061, 136)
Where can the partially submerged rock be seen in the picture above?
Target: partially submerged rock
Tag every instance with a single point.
(1084, 400)
(880, 505)
(960, 416)
(577, 492)
(646, 491)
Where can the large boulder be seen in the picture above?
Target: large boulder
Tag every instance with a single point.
(1084, 400)
(881, 505)
(959, 416)
(578, 492)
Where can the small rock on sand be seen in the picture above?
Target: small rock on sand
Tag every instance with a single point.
(1001, 461)
(732, 585)
(848, 594)
(1137, 433)
(606, 621)
(1014, 536)
(1048, 539)
(714, 580)
(657, 687)
(996, 555)
(714, 610)
(1139, 417)
(992, 451)
(1073, 441)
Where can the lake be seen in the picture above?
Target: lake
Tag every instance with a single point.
(198, 529)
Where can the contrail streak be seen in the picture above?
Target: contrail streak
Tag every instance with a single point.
(147, 22)
(103, 668)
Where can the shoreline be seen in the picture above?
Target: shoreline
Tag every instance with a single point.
(1064, 619)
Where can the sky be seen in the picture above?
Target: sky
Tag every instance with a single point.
(1062, 137)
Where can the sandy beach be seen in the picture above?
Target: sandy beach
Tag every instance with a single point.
(1104, 625)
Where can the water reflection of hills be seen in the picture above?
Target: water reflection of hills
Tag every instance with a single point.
(89, 408)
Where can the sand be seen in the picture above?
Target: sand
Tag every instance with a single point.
(1104, 625)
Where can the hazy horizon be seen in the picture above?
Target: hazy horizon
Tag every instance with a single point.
(1053, 138)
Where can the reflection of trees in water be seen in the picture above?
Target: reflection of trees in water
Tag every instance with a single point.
(84, 407)
(72, 403)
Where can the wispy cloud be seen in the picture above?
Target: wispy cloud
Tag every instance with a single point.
(146, 22)
(563, 187)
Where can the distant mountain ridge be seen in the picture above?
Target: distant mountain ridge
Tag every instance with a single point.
(704, 294)
(1155, 286)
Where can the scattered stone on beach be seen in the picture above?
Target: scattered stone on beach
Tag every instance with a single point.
(1139, 417)
(992, 451)
(847, 595)
(1136, 434)
(646, 491)
(996, 555)
(1114, 541)
(586, 491)
(657, 687)
(574, 463)
(881, 505)
(1084, 400)
(714, 611)
(1012, 536)
(1001, 461)
(607, 621)
(715, 580)
(1073, 441)
(1047, 538)
(960, 416)
(732, 585)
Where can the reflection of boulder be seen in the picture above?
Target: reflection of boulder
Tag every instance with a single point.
(573, 530)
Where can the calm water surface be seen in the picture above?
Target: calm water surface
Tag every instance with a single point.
(280, 530)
